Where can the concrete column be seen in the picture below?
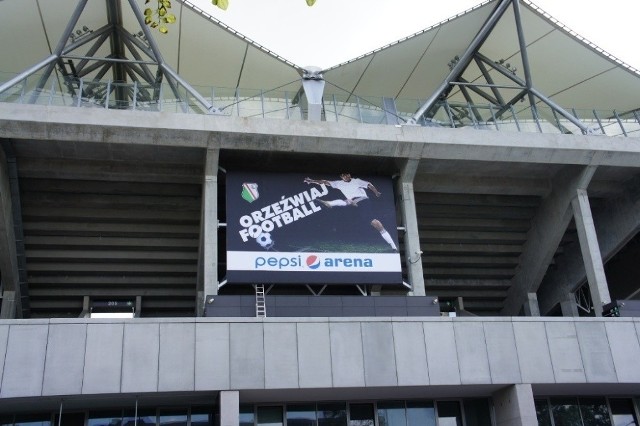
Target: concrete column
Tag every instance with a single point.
(590, 249)
(514, 406)
(412, 251)
(208, 259)
(8, 256)
(531, 307)
(568, 306)
(8, 309)
(547, 228)
(229, 408)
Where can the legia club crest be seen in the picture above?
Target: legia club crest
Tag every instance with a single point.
(250, 192)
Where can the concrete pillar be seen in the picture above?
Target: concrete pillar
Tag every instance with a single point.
(590, 249)
(9, 268)
(531, 307)
(208, 259)
(8, 309)
(229, 408)
(412, 251)
(568, 306)
(514, 406)
(547, 229)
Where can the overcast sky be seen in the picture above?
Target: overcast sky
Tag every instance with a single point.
(334, 31)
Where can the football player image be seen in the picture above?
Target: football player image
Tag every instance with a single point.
(355, 195)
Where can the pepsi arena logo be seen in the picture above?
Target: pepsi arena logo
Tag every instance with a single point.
(312, 262)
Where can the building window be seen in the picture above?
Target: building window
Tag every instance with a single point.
(270, 416)
(622, 412)
(421, 413)
(334, 414)
(361, 415)
(449, 413)
(301, 415)
(392, 414)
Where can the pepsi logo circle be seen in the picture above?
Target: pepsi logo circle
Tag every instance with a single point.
(313, 262)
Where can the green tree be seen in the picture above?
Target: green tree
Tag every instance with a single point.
(161, 15)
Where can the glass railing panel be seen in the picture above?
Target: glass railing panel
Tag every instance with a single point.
(344, 108)
(348, 110)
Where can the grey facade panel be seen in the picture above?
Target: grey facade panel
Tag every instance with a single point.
(141, 350)
(177, 357)
(173, 355)
(565, 352)
(625, 350)
(280, 356)
(596, 353)
(442, 356)
(534, 357)
(246, 352)
(24, 362)
(347, 362)
(4, 337)
(64, 366)
(212, 356)
(103, 358)
(472, 352)
(379, 354)
(502, 352)
(314, 355)
(411, 354)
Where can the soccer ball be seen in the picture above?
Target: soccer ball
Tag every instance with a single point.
(265, 240)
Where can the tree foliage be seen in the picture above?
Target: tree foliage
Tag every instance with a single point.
(161, 15)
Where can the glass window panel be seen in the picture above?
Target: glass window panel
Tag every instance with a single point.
(33, 420)
(270, 416)
(477, 412)
(542, 412)
(105, 418)
(146, 417)
(622, 412)
(421, 413)
(594, 412)
(247, 418)
(201, 416)
(176, 417)
(301, 415)
(332, 414)
(6, 420)
(361, 415)
(392, 414)
(449, 413)
(565, 412)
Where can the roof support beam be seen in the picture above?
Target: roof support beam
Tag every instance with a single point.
(547, 229)
(505, 72)
(163, 65)
(464, 61)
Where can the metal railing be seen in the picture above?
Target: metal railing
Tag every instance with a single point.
(337, 107)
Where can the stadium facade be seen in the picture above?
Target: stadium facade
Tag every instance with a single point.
(504, 145)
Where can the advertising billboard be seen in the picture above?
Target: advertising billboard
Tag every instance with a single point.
(295, 228)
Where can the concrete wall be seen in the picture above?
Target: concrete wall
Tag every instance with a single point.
(64, 357)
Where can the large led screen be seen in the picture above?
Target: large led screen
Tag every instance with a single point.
(311, 229)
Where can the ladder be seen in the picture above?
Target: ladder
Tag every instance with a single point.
(261, 308)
